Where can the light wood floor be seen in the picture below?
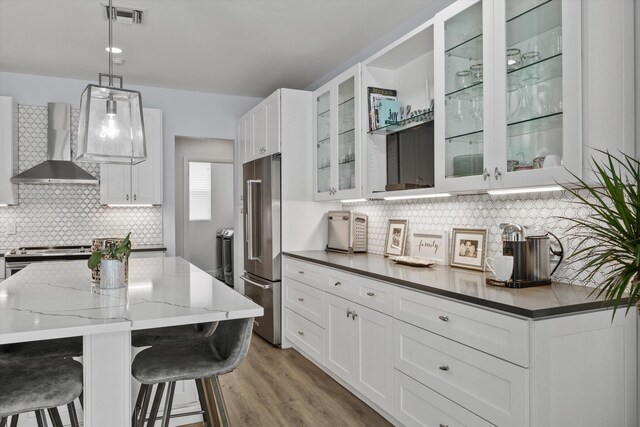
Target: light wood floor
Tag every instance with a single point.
(275, 387)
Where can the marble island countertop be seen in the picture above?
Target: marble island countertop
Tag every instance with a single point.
(463, 285)
(57, 299)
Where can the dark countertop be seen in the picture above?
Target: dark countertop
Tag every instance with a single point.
(464, 285)
(148, 248)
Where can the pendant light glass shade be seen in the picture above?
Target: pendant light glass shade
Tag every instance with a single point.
(111, 126)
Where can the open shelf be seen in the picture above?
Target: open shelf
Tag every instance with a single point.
(535, 124)
(543, 70)
(468, 49)
(529, 23)
(404, 124)
(475, 137)
(466, 91)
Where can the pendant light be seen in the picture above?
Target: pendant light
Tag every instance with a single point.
(111, 126)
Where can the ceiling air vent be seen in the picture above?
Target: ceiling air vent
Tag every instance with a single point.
(124, 15)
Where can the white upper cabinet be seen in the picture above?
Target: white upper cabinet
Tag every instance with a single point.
(336, 136)
(265, 128)
(8, 150)
(398, 152)
(508, 94)
(139, 184)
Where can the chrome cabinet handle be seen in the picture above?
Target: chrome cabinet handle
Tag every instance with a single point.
(300, 272)
(300, 333)
(443, 367)
(337, 284)
(127, 197)
(443, 425)
(300, 299)
(135, 197)
(348, 312)
(485, 174)
(370, 294)
(444, 318)
(354, 315)
(497, 173)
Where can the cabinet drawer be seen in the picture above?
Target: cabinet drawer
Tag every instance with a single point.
(304, 272)
(492, 388)
(305, 335)
(308, 302)
(503, 336)
(416, 405)
(364, 291)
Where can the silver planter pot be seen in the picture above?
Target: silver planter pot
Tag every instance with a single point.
(112, 274)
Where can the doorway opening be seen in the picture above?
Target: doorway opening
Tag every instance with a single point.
(204, 198)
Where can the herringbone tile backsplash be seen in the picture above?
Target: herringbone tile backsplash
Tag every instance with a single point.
(64, 214)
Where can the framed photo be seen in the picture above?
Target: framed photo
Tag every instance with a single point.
(431, 244)
(396, 237)
(468, 248)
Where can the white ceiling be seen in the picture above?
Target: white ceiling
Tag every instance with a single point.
(238, 47)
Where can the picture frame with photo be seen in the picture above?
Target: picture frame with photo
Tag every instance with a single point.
(396, 238)
(469, 248)
(431, 244)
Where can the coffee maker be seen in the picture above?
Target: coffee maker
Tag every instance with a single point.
(531, 256)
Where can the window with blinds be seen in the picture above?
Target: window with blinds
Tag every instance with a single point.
(199, 191)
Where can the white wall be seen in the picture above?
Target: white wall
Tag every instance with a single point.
(186, 113)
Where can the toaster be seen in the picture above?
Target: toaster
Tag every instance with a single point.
(347, 232)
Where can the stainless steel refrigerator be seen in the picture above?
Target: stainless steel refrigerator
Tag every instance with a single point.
(262, 249)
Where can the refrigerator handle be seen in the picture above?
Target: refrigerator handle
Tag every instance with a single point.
(251, 282)
(253, 234)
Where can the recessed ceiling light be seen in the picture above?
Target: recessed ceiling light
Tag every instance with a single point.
(114, 49)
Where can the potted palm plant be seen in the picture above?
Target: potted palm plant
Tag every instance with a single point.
(608, 240)
(112, 260)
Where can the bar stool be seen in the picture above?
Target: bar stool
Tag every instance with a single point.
(200, 360)
(57, 348)
(37, 385)
(171, 334)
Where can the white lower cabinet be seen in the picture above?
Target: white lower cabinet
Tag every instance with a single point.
(435, 361)
(304, 334)
(416, 405)
(490, 387)
(359, 343)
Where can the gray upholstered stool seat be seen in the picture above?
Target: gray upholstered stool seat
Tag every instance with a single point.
(201, 360)
(171, 334)
(27, 386)
(58, 348)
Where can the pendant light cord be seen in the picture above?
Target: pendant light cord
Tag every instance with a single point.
(110, 45)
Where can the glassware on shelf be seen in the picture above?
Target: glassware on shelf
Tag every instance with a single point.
(463, 79)
(477, 72)
(528, 58)
(514, 59)
(514, 96)
(555, 41)
(476, 110)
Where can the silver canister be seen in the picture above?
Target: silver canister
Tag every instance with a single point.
(538, 268)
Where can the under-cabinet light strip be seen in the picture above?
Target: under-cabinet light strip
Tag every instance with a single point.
(129, 206)
(3, 206)
(418, 196)
(525, 190)
(353, 200)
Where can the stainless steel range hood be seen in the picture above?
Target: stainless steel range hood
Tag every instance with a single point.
(58, 169)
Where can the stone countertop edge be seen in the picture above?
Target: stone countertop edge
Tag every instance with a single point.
(581, 302)
(148, 248)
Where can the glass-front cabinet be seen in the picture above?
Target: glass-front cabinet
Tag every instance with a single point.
(337, 137)
(537, 45)
(463, 95)
(510, 93)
